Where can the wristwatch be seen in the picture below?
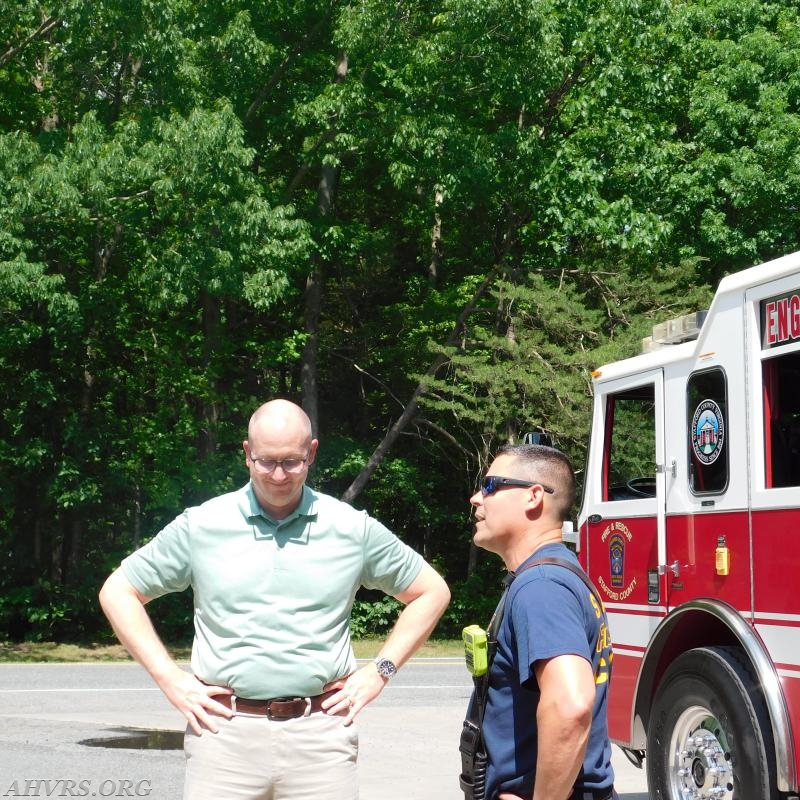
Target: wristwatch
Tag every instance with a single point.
(386, 668)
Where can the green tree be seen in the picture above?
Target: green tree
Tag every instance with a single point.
(427, 222)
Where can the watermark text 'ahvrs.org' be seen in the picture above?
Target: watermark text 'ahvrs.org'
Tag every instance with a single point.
(64, 787)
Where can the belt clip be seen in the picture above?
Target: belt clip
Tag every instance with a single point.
(233, 704)
(307, 712)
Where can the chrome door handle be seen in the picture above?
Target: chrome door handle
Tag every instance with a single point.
(674, 568)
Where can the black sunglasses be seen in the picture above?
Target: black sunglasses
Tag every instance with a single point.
(491, 483)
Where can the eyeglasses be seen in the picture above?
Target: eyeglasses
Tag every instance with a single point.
(288, 465)
(491, 483)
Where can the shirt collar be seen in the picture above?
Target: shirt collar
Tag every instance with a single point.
(255, 514)
(549, 549)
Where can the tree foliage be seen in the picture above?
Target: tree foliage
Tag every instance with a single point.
(427, 222)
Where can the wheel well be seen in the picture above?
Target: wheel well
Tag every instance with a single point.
(692, 629)
(708, 623)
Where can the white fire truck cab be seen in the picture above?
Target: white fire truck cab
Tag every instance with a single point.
(687, 527)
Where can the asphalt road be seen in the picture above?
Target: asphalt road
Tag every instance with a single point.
(52, 712)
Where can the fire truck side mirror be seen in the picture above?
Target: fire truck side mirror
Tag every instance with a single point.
(544, 439)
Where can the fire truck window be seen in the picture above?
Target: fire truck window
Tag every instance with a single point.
(782, 420)
(707, 411)
(630, 472)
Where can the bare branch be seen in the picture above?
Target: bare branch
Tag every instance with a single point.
(445, 434)
(372, 377)
(410, 410)
(553, 102)
(287, 62)
(43, 29)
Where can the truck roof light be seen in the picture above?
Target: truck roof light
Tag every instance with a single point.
(675, 331)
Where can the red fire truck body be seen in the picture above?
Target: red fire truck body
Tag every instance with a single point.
(690, 511)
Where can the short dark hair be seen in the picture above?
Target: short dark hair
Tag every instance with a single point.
(551, 467)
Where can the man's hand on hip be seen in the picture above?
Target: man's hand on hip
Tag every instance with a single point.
(354, 692)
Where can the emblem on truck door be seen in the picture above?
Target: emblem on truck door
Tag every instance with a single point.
(708, 432)
(617, 535)
(616, 551)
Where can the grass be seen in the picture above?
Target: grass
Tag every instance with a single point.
(52, 652)
(439, 648)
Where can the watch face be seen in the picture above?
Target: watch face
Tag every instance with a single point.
(385, 667)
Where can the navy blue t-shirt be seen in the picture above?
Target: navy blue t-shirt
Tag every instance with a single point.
(549, 612)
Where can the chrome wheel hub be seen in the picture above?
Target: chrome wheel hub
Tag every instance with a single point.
(701, 765)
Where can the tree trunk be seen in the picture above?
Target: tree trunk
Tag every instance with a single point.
(326, 191)
(472, 562)
(73, 548)
(73, 523)
(137, 516)
(436, 238)
(207, 444)
(308, 370)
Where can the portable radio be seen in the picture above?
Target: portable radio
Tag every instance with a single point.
(476, 650)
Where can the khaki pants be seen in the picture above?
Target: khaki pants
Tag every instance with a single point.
(254, 758)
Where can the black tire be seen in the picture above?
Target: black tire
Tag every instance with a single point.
(709, 734)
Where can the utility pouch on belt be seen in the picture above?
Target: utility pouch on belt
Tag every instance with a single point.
(473, 763)
(476, 650)
(479, 649)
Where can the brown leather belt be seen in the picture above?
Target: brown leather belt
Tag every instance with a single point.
(278, 708)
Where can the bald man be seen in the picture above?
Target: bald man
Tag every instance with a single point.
(274, 568)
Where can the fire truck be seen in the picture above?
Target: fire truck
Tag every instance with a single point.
(687, 527)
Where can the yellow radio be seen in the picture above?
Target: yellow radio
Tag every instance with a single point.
(476, 650)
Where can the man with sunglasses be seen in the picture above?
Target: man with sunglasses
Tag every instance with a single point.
(274, 568)
(544, 723)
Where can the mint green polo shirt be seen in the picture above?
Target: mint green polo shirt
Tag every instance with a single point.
(272, 599)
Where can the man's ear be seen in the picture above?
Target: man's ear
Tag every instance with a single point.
(535, 502)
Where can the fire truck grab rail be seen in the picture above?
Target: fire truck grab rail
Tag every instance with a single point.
(759, 658)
